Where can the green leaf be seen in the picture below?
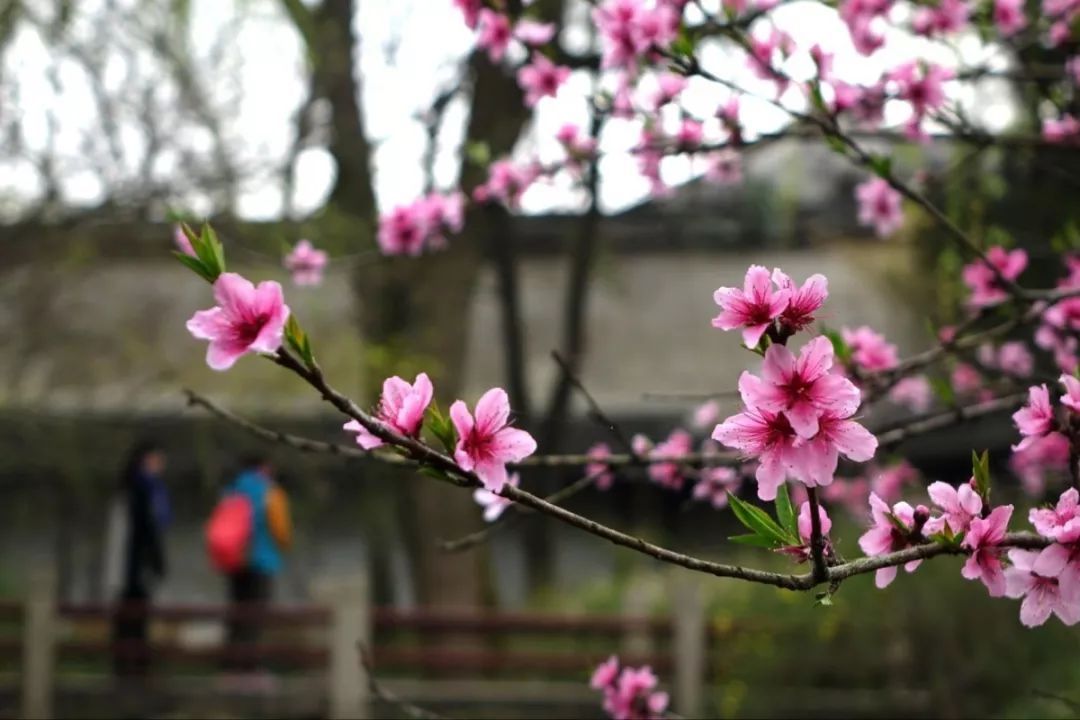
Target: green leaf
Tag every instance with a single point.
(754, 540)
(943, 389)
(216, 247)
(299, 341)
(757, 520)
(980, 470)
(836, 144)
(441, 427)
(881, 165)
(823, 599)
(194, 264)
(683, 46)
(840, 348)
(785, 512)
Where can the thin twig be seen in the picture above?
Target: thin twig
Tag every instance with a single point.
(412, 710)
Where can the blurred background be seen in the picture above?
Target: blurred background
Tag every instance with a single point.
(286, 119)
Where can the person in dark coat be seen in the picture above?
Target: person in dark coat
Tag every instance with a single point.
(146, 511)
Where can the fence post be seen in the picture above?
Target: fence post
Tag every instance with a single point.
(38, 646)
(637, 642)
(349, 631)
(690, 645)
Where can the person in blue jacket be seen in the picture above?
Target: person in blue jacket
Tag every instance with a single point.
(145, 514)
(251, 586)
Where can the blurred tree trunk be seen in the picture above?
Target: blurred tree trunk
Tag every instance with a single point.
(411, 311)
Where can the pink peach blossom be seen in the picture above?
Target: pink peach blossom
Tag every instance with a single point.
(806, 527)
(879, 206)
(1036, 418)
(869, 350)
(753, 308)
(1015, 359)
(714, 484)
(401, 408)
(669, 474)
(603, 477)
(470, 9)
(495, 34)
(804, 302)
(487, 443)
(182, 242)
(306, 263)
(706, 414)
(983, 281)
(605, 674)
(889, 482)
(1071, 398)
(1009, 17)
(913, 392)
(494, 504)
(893, 529)
(1062, 522)
(1040, 589)
(541, 78)
(1065, 129)
(983, 539)
(1046, 455)
(802, 388)
(817, 458)
(960, 505)
(533, 32)
(724, 167)
(767, 436)
(246, 319)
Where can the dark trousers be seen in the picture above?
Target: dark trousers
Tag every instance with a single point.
(249, 594)
(131, 655)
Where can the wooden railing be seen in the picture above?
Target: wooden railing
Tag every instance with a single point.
(412, 651)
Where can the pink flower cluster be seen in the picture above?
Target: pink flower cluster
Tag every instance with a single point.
(495, 33)
(760, 307)
(1049, 579)
(870, 351)
(797, 419)
(629, 693)
(1038, 418)
(422, 225)
(506, 182)
(921, 85)
(485, 442)
(1012, 358)
(633, 30)
(604, 478)
(1059, 328)
(983, 281)
(306, 263)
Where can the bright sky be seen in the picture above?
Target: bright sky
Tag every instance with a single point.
(410, 49)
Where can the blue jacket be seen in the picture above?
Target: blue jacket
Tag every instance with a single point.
(265, 555)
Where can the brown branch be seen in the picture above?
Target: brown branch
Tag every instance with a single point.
(449, 471)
